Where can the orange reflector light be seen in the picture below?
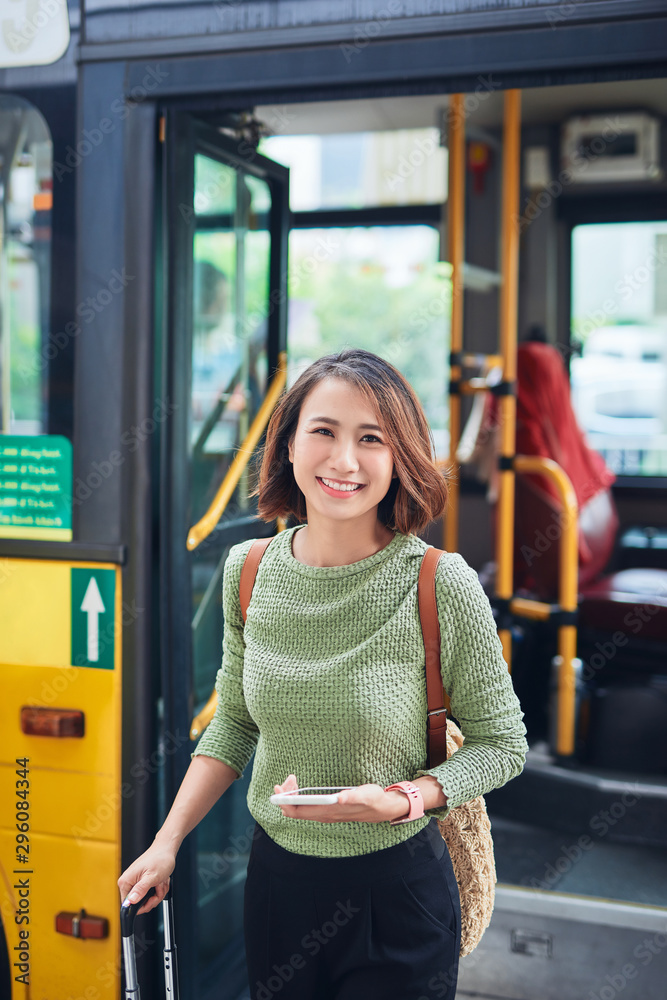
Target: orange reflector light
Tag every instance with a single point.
(51, 721)
(42, 201)
(82, 925)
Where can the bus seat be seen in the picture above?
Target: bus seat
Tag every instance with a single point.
(537, 532)
(547, 426)
(633, 601)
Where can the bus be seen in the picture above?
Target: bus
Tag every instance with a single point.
(197, 200)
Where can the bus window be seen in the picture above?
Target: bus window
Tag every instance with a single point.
(229, 360)
(26, 158)
(376, 286)
(379, 288)
(619, 318)
(358, 170)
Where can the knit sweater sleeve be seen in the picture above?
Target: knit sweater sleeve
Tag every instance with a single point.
(232, 735)
(480, 689)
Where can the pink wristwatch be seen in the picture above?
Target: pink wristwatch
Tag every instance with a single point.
(415, 799)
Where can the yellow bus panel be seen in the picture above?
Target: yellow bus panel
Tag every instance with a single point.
(60, 649)
(64, 877)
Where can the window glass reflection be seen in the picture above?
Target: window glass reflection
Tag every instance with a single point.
(26, 184)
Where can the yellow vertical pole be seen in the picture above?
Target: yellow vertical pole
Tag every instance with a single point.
(455, 254)
(508, 348)
(568, 576)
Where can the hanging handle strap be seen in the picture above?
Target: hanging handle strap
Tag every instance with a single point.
(436, 719)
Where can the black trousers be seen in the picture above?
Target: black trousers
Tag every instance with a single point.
(379, 926)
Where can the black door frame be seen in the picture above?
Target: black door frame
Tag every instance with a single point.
(184, 137)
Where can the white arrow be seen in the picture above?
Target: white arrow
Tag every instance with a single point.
(92, 605)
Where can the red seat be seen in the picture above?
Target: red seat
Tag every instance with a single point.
(632, 601)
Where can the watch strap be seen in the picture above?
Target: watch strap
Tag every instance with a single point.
(415, 799)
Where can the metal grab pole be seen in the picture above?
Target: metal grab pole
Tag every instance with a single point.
(508, 349)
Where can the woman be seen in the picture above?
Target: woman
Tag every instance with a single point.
(326, 681)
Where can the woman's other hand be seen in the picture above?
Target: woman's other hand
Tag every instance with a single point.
(363, 804)
(153, 868)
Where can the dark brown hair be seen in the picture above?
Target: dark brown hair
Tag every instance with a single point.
(419, 493)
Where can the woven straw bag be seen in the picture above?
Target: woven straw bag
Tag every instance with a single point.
(466, 829)
(467, 833)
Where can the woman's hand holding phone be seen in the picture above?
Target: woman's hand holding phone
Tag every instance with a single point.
(363, 803)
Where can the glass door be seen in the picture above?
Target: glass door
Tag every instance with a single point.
(224, 242)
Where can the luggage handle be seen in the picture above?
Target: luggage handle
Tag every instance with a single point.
(128, 912)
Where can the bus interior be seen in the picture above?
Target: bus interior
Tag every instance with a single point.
(369, 266)
(348, 202)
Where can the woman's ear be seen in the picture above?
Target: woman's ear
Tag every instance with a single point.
(290, 450)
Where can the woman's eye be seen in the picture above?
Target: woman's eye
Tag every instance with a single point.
(325, 430)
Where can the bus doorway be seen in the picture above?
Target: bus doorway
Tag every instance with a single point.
(224, 219)
(368, 265)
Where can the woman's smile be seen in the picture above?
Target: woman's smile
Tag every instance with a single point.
(334, 487)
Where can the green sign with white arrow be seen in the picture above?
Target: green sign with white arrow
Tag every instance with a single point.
(93, 622)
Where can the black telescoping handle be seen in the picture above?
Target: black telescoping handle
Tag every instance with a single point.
(128, 912)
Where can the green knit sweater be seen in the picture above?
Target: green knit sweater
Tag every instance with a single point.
(327, 682)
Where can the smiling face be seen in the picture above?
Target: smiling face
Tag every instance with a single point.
(342, 461)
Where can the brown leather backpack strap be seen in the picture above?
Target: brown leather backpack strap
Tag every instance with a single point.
(428, 614)
(249, 571)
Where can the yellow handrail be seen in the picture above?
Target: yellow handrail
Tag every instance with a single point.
(568, 579)
(203, 528)
(508, 348)
(204, 716)
(507, 357)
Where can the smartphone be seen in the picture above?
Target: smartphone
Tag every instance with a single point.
(309, 796)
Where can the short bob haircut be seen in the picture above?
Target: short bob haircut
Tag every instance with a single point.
(419, 493)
